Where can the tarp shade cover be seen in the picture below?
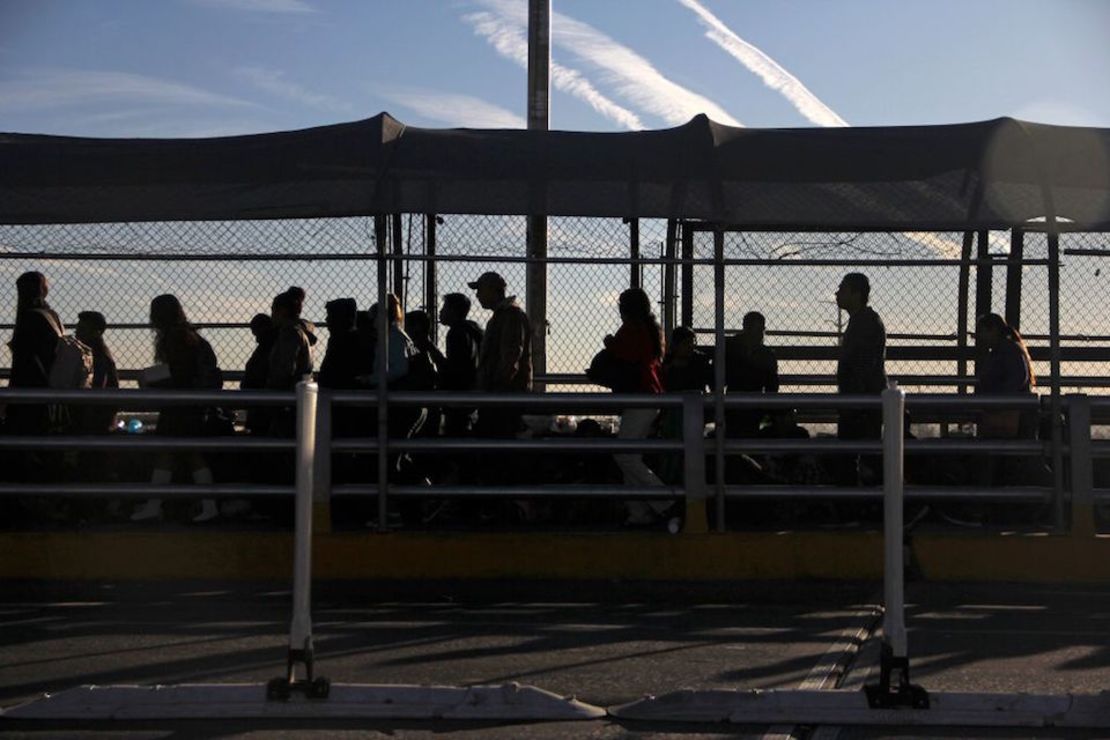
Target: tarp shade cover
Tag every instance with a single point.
(992, 174)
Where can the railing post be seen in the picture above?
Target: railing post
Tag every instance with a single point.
(894, 625)
(693, 457)
(894, 652)
(300, 628)
(321, 473)
(1082, 477)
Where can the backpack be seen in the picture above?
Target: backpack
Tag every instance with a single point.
(73, 359)
(209, 374)
(73, 364)
(610, 371)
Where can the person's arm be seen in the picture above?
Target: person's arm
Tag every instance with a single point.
(513, 340)
(772, 384)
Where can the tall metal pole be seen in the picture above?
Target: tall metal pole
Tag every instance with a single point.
(431, 290)
(961, 310)
(635, 279)
(539, 95)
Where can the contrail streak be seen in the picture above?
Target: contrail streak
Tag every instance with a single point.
(772, 74)
(509, 41)
(632, 76)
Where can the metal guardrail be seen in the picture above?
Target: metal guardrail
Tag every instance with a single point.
(693, 446)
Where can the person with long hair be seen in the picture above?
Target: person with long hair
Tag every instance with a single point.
(1004, 368)
(33, 343)
(639, 346)
(189, 359)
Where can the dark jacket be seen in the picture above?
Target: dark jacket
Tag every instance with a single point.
(458, 367)
(257, 369)
(696, 374)
(861, 367)
(291, 356)
(33, 344)
(343, 361)
(750, 370)
(505, 360)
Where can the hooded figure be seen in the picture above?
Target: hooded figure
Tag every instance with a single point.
(291, 357)
(342, 361)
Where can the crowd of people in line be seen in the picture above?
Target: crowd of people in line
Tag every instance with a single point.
(635, 359)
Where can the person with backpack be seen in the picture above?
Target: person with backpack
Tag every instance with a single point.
(638, 348)
(186, 361)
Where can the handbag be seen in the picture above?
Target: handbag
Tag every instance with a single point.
(610, 371)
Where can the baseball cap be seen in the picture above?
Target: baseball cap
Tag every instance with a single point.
(488, 278)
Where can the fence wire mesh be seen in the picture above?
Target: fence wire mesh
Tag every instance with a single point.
(225, 272)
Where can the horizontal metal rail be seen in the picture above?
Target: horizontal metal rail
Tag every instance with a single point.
(144, 490)
(146, 397)
(514, 491)
(148, 443)
(605, 445)
(505, 258)
(1015, 494)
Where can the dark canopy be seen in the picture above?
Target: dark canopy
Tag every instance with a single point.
(993, 174)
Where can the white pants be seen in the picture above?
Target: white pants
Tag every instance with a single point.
(635, 424)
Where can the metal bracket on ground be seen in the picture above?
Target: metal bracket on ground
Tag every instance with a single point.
(883, 696)
(312, 687)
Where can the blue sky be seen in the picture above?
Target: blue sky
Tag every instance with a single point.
(214, 67)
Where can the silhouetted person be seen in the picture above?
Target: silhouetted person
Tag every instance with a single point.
(505, 357)
(189, 364)
(504, 366)
(257, 371)
(684, 367)
(458, 366)
(638, 346)
(291, 357)
(861, 369)
(750, 367)
(33, 343)
(404, 422)
(422, 375)
(1003, 368)
(342, 362)
(91, 325)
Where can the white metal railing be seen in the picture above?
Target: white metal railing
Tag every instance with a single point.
(693, 445)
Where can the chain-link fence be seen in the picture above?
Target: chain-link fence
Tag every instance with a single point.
(225, 272)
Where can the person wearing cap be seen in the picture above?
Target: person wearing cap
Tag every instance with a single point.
(505, 358)
(504, 366)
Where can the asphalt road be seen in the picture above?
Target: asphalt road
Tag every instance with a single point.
(606, 644)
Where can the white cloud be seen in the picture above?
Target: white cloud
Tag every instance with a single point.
(273, 81)
(54, 88)
(260, 6)
(768, 70)
(631, 75)
(509, 40)
(455, 110)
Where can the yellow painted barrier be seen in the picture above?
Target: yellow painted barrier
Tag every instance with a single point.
(542, 556)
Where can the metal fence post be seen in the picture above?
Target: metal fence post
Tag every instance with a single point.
(300, 628)
(693, 459)
(894, 624)
(1082, 476)
(321, 473)
(894, 661)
